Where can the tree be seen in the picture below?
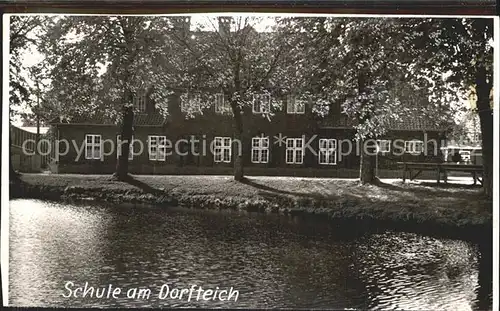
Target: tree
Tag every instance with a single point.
(23, 31)
(231, 56)
(364, 64)
(463, 49)
(99, 63)
(22, 36)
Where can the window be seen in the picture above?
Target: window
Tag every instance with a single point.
(119, 143)
(191, 103)
(221, 105)
(327, 151)
(294, 150)
(466, 155)
(294, 105)
(260, 149)
(93, 145)
(140, 101)
(383, 146)
(157, 148)
(222, 149)
(261, 103)
(414, 147)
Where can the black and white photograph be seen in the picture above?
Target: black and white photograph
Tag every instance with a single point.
(250, 160)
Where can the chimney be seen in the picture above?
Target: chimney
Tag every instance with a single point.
(224, 24)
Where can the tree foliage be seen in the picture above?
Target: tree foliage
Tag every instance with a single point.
(230, 56)
(463, 48)
(367, 66)
(23, 35)
(99, 62)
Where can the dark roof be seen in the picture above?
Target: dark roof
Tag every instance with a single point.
(139, 120)
(406, 124)
(342, 122)
(416, 124)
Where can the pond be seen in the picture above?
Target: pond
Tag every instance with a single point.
(272, 261)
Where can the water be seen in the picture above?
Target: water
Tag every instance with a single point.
(273, 261)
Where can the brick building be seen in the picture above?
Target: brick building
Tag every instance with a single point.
(286, 140)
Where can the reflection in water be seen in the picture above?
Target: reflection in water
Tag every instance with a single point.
(272, 261)
(408, 272)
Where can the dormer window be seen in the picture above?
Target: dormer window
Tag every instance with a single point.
(140, 101)
(191, 103)
(221, 105)
(261, 103)
(295, 105)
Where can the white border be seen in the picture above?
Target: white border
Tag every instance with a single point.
(4, 241)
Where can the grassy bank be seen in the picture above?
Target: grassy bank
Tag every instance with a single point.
(460, 208)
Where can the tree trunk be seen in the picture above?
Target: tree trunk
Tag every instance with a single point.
(483, 89)
(127, 112)
(239, 174)
(126, 138)
(367, 161)
(366, 166)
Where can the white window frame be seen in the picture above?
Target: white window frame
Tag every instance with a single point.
(292, 144)
(222, 149)
(411, 146)
(383, 146)
(140, 101)
(154, 141)
(261, 103)
(93, 146)
(260, 147)
(221, 105)
(293, 104)
(196, 106)
(119, 147)
(328, 148)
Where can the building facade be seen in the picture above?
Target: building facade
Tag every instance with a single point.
(287, 139)
(27, 154)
